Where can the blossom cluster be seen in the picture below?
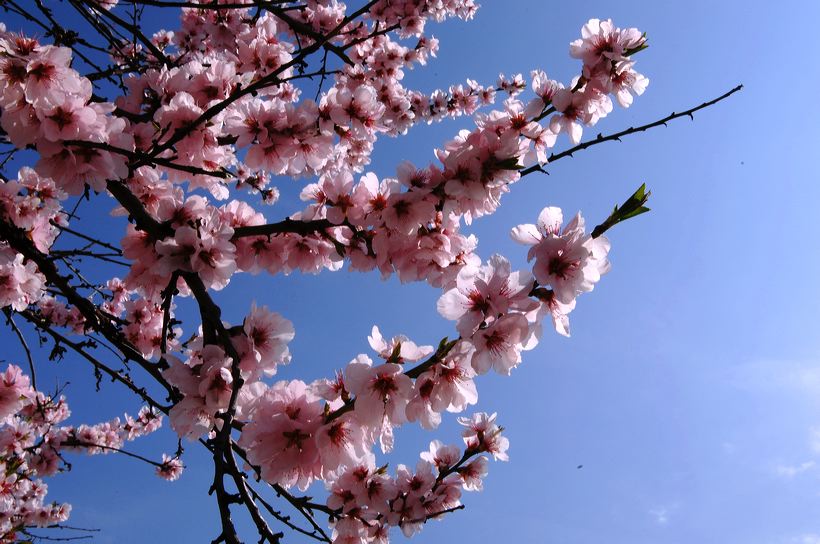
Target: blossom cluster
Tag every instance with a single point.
(217, 108)
(408, 224)
(45, 103)
(295, 433)
(33, 444)
(32, 204)
(368, 501)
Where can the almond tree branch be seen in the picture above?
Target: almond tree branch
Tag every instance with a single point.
(23, 343)
(293, 226)
(95, 318)
(73, 442)
(115, 376)
(239, 480)
(132, 28)
(631, 130)
(269, 79)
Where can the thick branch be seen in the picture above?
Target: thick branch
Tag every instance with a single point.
(239, 480)
(292, 226)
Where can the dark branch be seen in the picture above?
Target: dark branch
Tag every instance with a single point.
(632, 130)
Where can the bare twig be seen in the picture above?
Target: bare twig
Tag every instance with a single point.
(632, 130)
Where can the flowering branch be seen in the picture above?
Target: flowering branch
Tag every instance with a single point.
(633, 130)
(211, 109)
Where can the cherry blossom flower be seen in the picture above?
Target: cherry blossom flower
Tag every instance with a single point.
(473, 474)
(482, 434)
(15, 391)
(268, 335)
(21, 284)
(481, 295)
(341, 442)
(382, 393)
(408, 351)
(170, 469)
(499, 346)
(441, 456)
(281, 437)
(602, 43)
(567, 259)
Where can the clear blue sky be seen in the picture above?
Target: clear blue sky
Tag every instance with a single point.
(690, 389)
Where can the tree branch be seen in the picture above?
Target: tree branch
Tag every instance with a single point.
(632, 130)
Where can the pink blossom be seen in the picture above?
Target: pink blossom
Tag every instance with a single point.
(382, 393)
(144, 328)
(574, 111)
(473, 473)
(567, 259)
(627, 84)
(558, 311)
(499, 345)
(419, 483)
(454, 388)
(481, 295)
(268, 335)
(447, 385)
(15, 391)
(281, 437)
(215, 378)
(482, 434)
(441, 456)
(358, 109)
(170, 469)
(602, 44)
(190, 416)
(399, 349)
(545, 89)
(406, 212)
(21, 283)
(341, 443)
(49, 76)
(205, 249)
(420, 407)
(68, 118)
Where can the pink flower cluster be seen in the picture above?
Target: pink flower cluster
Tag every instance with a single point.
(297, 433)
(21, 283)
(409, 225)
(499, 311)
(57, 313)
(368, 501)
(567, 259)
(33, 445)
(205, 379)
(218, 106)
(45, 103)
(32, 204)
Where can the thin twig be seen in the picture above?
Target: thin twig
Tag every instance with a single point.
(632, 130)
(19, 333)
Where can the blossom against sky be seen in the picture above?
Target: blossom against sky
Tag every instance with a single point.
(684, 406)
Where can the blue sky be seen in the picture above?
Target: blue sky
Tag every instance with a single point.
(690, 389)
